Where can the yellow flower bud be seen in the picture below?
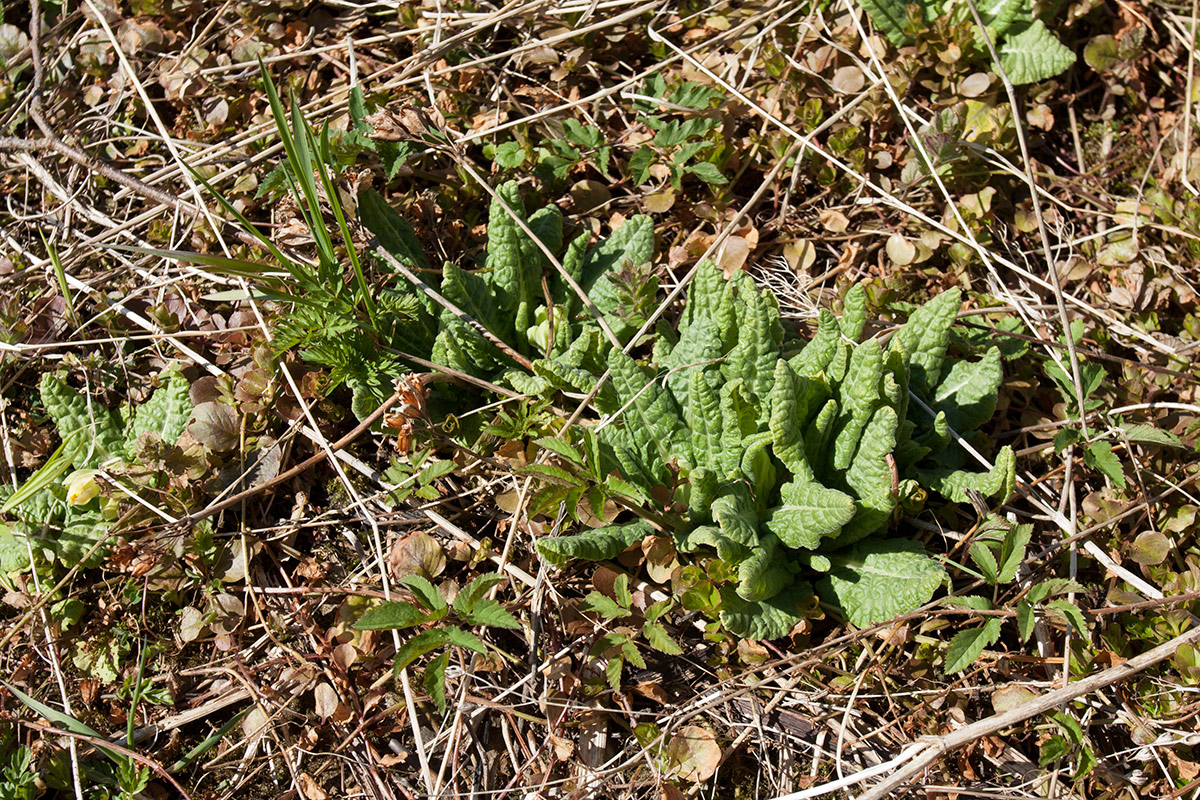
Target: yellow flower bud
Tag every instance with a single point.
(81, 486)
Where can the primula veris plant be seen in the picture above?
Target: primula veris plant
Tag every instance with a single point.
(66, 517)
(795, 465)
(1029, 52)
(508, 299)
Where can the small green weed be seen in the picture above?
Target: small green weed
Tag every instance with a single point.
(469, 606)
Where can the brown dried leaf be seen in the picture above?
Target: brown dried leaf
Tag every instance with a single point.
(417, 554)
(694, 753)
(834, 220)
(214, 425)
(326, 700)
(849, 80)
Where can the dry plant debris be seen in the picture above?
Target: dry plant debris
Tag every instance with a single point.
(426, 400)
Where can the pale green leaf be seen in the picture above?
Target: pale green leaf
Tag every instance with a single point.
(765, 619)
(878, 579)
(966, 646)
(807, 513)
(1034, 54)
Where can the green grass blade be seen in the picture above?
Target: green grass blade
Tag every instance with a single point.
(48, 473)
(60, 275)
(207, 744)
(331, 192)
(66, 721)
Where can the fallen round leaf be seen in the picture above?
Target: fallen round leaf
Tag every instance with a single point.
(589, 195)
(975, 84)
(1011, 696)
(326, 700)
(1150, 548)
(695, 753)
(849, 80)
(900, 250)
(659, 202)
(800, 255)
(834, 220)
(215, 426)
(733, 254)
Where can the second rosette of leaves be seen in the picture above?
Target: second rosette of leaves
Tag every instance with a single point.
(795, 465)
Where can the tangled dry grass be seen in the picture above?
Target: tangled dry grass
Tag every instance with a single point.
(221, 659)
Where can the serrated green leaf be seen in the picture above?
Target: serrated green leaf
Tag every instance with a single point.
(1150, 434)
(561, 448)
(510, 155)
(424, 591)
(1050, 588)
(551, 474)
(1068, 724)
(971, 601)
(1099, 455)
(999, 15)
(870, 477)
(658, 638)
(1053, 749)
(605, 606)
(639, 165)
(1068, 612)
(1025, 621)
(1034, 54)
(877, 579)
(393, 615)
(435, 681)
(985, 559)
(734, 511)
(491, 613)
(429, 640)
(1012, 552)
(966, 646)
(473, 592)
(707, 172)
(621, 590)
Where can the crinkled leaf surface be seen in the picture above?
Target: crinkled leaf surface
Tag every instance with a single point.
(807, 513)
(166, 412)
(1034, 54)
(765, 619)
(877, 579)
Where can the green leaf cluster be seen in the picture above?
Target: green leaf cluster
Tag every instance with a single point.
(66, 521)
(997, 552)
(507, 297)
(555, 158)
(471, 608)
(1029, 52)
(619, 645)
(794, 462)
(687, 138)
